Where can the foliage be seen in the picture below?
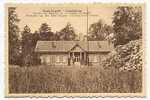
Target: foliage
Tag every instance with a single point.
(29, 41)
(13, 33)
(35, 38)
(67, 33)
(26, 45)
(45, 32)
(99, 31)
(127, 24)
(126, 57)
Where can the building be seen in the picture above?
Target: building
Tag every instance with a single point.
(72, 52)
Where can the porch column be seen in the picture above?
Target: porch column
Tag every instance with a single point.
(73, 57)
(69, 55)
(85, 60)
(80, 57)
(69, 58)
(73, 54)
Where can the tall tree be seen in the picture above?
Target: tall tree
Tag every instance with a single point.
(13, 31)
(99, 31)
(46, 33)
(27, 46)
(35, 38)
(127, 24)
(67, 33)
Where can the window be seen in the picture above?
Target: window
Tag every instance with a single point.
(91, 58)
(60, 58)
(47, 59)
(64, 59)
(57, 58)
(42, 60)
(95, 59)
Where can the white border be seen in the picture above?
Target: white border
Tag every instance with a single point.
(147, 46)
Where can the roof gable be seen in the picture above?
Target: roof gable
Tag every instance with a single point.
(77, 48)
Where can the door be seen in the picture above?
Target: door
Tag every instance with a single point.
(77, 58)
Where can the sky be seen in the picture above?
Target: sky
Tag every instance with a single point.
(58, 16)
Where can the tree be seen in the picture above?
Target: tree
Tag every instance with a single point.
(13, 31)
(35, 38)
(35, 58)
(127, 24)
(99, 31)
(45, 32)
(27, 46)
(67, 33)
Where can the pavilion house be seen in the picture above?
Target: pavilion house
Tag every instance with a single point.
(72, 52)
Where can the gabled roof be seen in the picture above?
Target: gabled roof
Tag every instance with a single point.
(77, 48)
(66, 46)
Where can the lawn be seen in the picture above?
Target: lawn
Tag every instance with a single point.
(47, 79)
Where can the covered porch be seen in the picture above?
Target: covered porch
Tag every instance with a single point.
(77, 58)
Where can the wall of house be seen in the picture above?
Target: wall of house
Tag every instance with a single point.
(62, 58)
(97, 58)
(54, 59)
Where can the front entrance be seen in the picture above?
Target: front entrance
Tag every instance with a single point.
(77, 58)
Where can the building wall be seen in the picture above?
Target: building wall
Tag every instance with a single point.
(54, 59)
(62, 58)
(97, 58)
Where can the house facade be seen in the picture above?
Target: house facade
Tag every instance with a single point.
(72, 52)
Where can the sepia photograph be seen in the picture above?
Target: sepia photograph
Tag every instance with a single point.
(74, 49)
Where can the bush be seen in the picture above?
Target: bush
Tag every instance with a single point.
(126, 57)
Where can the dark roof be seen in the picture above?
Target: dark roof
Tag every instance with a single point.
(66, 46)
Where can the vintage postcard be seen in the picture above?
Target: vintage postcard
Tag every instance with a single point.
(74, 50)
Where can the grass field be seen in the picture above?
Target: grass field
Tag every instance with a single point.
(47, 79)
